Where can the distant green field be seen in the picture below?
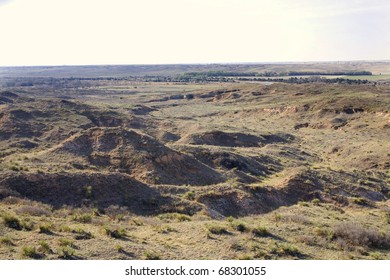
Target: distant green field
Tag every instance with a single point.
(369, 78)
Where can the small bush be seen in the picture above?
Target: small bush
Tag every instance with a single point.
(359, 236)
(260, 231)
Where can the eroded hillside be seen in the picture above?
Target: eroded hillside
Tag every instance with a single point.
(164, 163)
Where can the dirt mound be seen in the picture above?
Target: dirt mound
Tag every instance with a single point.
(220, 138)
(16, 123)
(87, 189)
(7, 97)
(219, 159)
(137, 154)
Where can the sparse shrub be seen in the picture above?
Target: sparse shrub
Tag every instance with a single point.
(174, 216)
(137, 222)
(30, 252)
(236, 246)
(245, 257)
(324, 232)
(316, 201)
(65, 228)
(217, 229)
(151, 256)
(44, 247)
(88, 191)
(5, 240)
(230, 219)
(360, 201)
(12, 222)
(299, 219)
(359, 236)
(45, 229)
(285, 249)
(164, 229)
(82, 218)
(303, 203)
(189, 195)
(119, 248)
(120, 217)
(277, 217)
(240, 226)
(82, 234)
(32, 210)
(115, 233)
(260, 231)
(66, 253)
(63, 242)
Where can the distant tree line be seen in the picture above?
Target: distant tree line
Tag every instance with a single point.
(335, 73)
(307, 80)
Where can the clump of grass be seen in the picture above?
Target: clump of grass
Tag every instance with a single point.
(240, 226)
(119, 248)
(82, 218)
(65, 228)
(189, 195)
(137, 222)
(5, 240)
(324, 232)
(316, 201)
(115, 233)
(260, 231)
(82, 234)
(12, 221)
(66, 253)
(230, 219)
(44, 247)
(217, 229)
(245, 257)
(63, 242)
(46, 229)
(360, 201)
(164, 229)
(149, 255)
(285, 249)
(30, 252)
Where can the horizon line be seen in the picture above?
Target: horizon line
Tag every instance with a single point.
(200, 63)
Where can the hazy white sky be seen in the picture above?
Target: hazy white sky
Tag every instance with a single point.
(58, 32)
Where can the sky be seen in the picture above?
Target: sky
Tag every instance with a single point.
(88, 32)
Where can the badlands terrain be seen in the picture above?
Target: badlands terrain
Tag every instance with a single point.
(177, 162)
